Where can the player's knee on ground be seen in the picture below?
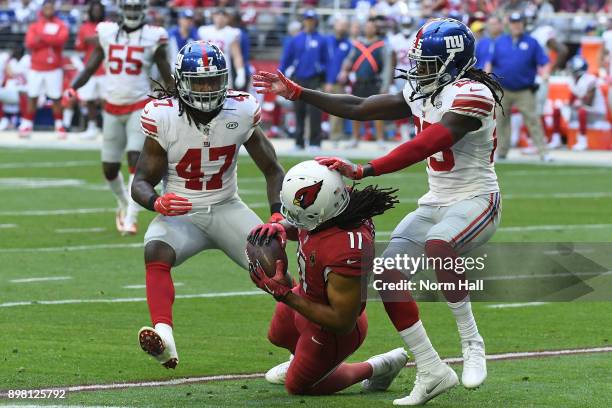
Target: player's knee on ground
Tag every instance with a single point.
(296, 386)
(159, 251)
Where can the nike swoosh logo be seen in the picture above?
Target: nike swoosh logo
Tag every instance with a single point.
(351, 261)
(320, 344)
(432, 389)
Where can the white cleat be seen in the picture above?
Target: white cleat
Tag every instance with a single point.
(163, 350)
(120, 219)
(385, 367)
(277, 375)
(474, 364)
(129, 229)
(430, 385)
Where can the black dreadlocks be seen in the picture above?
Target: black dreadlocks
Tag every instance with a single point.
(161, 92)
(365, 204)
(478, 75)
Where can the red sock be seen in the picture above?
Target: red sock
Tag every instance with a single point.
(557, 120)
(399, 305)
(57, 115)
(436, 248)
(160, 292)
(27, 114)
(582, 121)
(342, 377)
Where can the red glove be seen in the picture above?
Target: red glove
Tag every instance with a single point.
(69, 96)
(277, 84)
(170, 205)
(265, 232)
(276, 286)
(344, 167)
(276, 217)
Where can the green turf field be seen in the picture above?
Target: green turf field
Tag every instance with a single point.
(91, 338)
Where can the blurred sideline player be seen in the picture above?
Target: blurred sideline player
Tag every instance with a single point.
(14, 66)
(194, 133)
(86, 42)
(588, 104)
(45, 39)
(323, 320)
(128, 50)
(400, 44)
(227, 38)
(452, 105)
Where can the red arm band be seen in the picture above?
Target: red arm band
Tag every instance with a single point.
(431, 140)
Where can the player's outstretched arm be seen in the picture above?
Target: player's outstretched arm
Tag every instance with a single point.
(262, 152)
(340, 316)
(97, 56)
(383, 107)
(161, 60)
(150, 169)
(435, 138)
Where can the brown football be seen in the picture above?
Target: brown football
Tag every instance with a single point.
(267, 255)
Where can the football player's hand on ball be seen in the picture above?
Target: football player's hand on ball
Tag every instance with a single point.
(264, 233)
(277, 285)
(278, 84)
(343, 166)
(170, 205)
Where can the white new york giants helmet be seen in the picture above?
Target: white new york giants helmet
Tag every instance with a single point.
(133, 12)
(312, 194)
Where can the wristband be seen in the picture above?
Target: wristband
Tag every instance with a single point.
(275, 208)
(151, 202)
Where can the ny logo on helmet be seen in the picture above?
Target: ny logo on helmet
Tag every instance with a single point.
(454, 43)
(306, 196)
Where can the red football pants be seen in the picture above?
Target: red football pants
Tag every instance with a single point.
(317, 367)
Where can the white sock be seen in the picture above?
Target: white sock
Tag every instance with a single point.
(25, 123)
(133, 207)
(418, 343)
(67, 117)
(468, 331)
(118, 188)
(92, 125)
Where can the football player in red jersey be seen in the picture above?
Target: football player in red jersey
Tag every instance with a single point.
(452, 105)
(323, 321)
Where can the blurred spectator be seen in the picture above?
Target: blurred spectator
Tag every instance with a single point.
(511, 6)
(587, 103)
(45, 39)
(481, 52)
(390, 8)
(368, 67)
(400, 44)
(13, 69)
(515, 60)
(293, 29)
(573, 6)
(228, 40)
(26, 10)
(485, 44)
(541, 9)
(305, 61)
(362, 9)
(181, 34)
(235, 21)
(86, 42)
(185, 4)
(339, 46)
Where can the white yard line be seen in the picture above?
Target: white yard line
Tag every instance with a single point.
(7, 226)
(48, 165)
(43, 279)
(230, 377)
(67, 211)
(19, 183)
(130, 300)
(515, 305)
(73, 248)
(79, 230)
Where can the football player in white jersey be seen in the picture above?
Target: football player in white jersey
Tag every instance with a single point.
(128, 49)
(194, 134)
(452, 104)
(588, 104)
(227, 38)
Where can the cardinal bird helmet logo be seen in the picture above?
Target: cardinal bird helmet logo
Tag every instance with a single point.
(306, 196)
